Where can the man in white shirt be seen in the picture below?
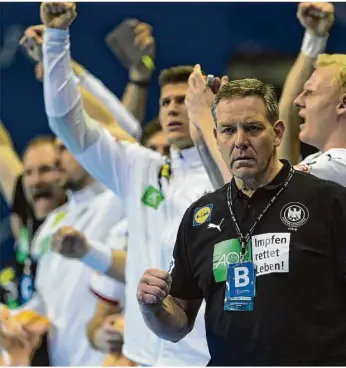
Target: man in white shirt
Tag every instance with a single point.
(321, 102)
(62, 285)
(155, 195)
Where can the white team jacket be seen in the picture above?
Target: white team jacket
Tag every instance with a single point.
(130, 171)
(63, 285)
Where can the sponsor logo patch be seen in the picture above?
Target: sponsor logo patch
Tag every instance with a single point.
(202, 215)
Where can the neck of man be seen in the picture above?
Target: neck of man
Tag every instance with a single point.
(337, 138)
(85, 182)
(250, 185)
(183, 144)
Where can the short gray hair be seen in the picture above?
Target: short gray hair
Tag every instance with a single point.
(248, 88)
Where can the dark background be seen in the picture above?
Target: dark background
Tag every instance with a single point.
(186, 33)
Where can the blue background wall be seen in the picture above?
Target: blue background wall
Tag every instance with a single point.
(186, 33)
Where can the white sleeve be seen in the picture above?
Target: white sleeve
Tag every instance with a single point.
(125, 119)
(107, 160)
(330, 165)
(104, 287)
(107, 289)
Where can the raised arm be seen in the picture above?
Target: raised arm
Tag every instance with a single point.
(314, 42)
(10, 165)
(198, 101)
(118, 110)
(136, 91)
(108, 160)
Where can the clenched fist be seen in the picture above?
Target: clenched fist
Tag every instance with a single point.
(32, 41)
(316, 18)
(58, 15)
(145, 42)
(109, 336)
(70, 242)
(153, 287)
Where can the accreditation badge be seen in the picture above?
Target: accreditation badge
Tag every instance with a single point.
(240, 287)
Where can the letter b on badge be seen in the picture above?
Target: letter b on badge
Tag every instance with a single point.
(241, 277)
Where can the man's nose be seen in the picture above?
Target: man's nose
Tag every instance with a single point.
(241, 139)
(173, 109)
(299, 101)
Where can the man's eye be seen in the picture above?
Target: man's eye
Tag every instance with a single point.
(253, 128)
(165, 103)
(228, 130)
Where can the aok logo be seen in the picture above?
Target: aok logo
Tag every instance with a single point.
(226, 253)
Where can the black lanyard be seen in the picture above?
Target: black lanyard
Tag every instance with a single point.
(245, 238)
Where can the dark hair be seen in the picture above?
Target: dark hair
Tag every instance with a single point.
(39, 140)
(247, 88)
(150, 129)
(175, 74)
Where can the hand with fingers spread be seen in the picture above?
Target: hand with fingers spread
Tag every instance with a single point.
(145, 42)
(153, 287)
(58, 15)
(70, 242)
(317, 18)
(32, 41)
(109, 336)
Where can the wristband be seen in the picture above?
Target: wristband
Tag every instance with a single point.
(312, 45)
(99, 257)
(142, 84)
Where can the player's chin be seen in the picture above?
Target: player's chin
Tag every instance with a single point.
(245, 173)
(305, 136)
(181, 139)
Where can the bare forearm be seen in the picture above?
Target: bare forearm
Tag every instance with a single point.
(167, 320)
(117, 269)
(10, 169)
(16, 359)
(298, 75)
(135, 100)
(212, 169)
(206, 124)
(92, 327)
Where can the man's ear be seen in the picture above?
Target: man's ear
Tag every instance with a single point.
(279, 130)
(341, 106)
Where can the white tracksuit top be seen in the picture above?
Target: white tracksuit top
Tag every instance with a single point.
(63, 285)
(129, 170)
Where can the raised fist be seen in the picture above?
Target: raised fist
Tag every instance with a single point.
(316, 18)
(32, 41)
(154, 286)
(145, 42)
(58, 15)
(70, 243)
